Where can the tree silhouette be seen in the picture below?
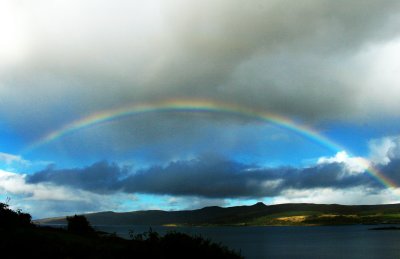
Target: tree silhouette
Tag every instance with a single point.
(79, 224)
(12, 219)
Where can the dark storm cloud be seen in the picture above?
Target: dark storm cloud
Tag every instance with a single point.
(101, 177)
(286, 57)
(392, 171)
(211, 178)
(281, 56)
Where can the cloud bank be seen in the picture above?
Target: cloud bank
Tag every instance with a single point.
(47, 199)
(215, 179)
(207, 181)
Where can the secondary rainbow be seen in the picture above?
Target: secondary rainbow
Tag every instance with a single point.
(208, 106)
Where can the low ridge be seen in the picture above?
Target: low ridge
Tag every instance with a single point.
(256, 215)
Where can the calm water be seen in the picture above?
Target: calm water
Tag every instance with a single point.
(292, 242)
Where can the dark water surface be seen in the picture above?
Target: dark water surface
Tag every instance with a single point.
(325, 242)
(291, 242)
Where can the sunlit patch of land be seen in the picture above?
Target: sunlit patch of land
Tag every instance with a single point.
(292, 219)
(172, 225)
(316, 218)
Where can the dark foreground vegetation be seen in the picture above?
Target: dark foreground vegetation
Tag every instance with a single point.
(19, 238)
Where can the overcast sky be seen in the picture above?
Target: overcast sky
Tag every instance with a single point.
(329, 66)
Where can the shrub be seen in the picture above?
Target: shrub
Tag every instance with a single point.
(12, 219)
(79, 224)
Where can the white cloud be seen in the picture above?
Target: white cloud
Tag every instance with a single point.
(15, 184)
(17, 163)
(13, 35)
(383, 150)
(379, 67)
(10, 158)
(13, 163)
(47, 200)
(353, 165)
(350, 196)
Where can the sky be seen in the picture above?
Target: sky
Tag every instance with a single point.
(180, 104)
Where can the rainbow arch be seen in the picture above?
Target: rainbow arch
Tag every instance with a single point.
(177, 105)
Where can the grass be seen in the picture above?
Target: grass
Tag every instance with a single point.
(304, 218)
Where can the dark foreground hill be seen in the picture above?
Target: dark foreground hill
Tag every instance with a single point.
(19, 238)
(256, 215)
(45, 242)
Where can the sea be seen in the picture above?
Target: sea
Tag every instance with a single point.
(353, 242)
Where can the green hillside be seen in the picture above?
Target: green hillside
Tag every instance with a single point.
(258, 214)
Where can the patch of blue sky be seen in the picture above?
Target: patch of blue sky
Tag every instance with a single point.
(271, 146)
(10, 142)
(250, 143)
(355, 136)
(246, 202)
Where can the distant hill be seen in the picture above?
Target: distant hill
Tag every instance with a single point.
(258, 214)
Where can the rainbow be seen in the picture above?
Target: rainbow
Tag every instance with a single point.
(372, 170)
(182, 106)
(209, 106)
